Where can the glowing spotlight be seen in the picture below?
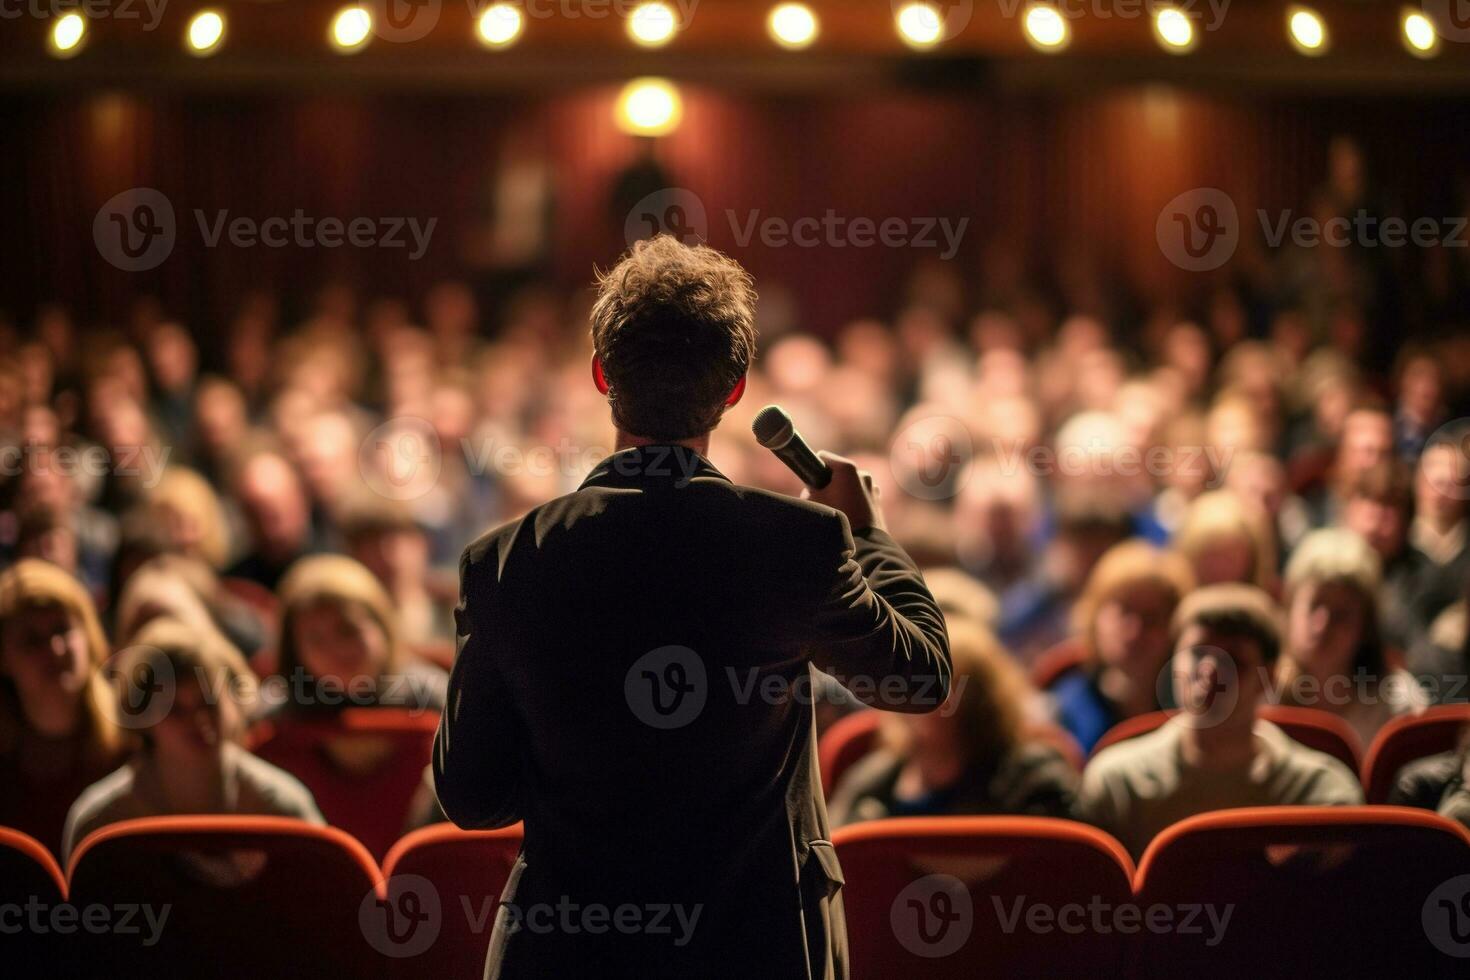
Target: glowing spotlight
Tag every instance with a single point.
(1046, 28)
(1307, 29)
(1174, 30)
(920, 24)
(351, 28)
(500, 25)
(1420, 37)
(649, 107)
(205, 33)
(652, 24)
(792, 25)
(67, 34)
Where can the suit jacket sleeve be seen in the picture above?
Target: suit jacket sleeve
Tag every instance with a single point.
(878, 631)
(475, 760)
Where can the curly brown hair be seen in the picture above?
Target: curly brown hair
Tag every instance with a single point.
(674, 329)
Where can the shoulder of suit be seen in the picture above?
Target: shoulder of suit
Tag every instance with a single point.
(777, 512)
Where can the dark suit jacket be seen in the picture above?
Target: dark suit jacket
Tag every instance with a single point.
(634, 682)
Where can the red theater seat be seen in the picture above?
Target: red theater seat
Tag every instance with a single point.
(30, 879)
(847, 741)
(372, 806)
(245, 897)
(1313, 728)
(1405, 739)
(855, 736)
(467, 871)
(1317, 729)
(1311, 892)
(1057, 660)
(966, 897)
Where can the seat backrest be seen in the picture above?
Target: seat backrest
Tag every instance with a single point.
(952, 897)
(1130, 728)
(462, 873)
(1056, 660)
(371, 806)
(1317, 729)
(1311, 727)
(257, 896)
(30, 878)
(1308, 891)
(1405, 739)
(847, 741)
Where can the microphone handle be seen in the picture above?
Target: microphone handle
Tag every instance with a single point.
(800, 459)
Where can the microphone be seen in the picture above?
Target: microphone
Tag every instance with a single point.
(774, 429)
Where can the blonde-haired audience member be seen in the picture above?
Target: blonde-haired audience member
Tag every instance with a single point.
(972, 756)
(1334, 658)
(1122, 621)
(189, 697)
(1225, 540)
(58, 726)
(341, 645)
(189, 510)
(1215, 754)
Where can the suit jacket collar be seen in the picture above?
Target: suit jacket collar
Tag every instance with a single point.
(652, 466)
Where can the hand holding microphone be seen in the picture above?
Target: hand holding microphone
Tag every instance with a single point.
(830, 479)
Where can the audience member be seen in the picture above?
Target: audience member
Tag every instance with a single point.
(59, 728)
(1334, 658)
(1122, 623)
(974, 755)
(1214, 754)
(192, 714)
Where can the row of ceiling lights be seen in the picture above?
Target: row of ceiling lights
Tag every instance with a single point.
(791, 25)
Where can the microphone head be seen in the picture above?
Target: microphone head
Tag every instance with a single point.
(773, 428)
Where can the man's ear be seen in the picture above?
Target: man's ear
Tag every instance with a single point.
(599, 379)
(736, 393)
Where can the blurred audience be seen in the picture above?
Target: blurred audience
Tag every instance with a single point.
(1215, 754)
(974, 755)
(1122, 622)
(1073, 470)
(195, 701)
(1334, 659)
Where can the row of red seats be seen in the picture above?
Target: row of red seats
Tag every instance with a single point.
(1400, 742)
(1344, 891)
